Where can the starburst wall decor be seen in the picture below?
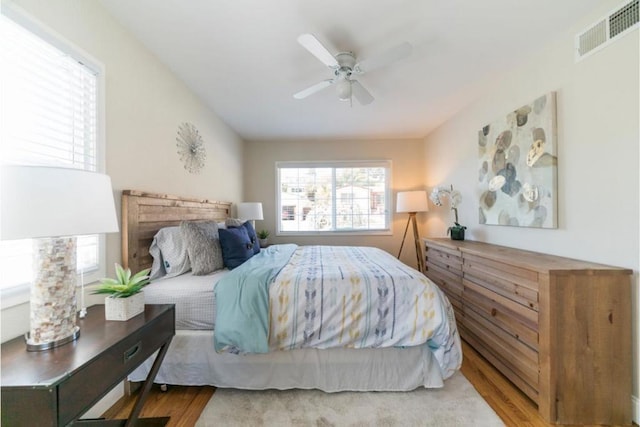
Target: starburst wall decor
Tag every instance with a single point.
(190, 148)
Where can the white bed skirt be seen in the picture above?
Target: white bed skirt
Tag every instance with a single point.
(191, 360)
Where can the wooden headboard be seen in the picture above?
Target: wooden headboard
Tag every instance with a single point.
(143, 214)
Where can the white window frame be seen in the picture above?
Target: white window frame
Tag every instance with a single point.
(336, 164)
(20, 294)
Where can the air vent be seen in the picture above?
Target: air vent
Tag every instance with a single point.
(606, 30)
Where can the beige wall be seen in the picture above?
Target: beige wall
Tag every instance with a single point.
(598, 156)
(145, 104)
(407, 174)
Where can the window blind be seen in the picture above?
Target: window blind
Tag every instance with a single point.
(49, 116)
(49, 111)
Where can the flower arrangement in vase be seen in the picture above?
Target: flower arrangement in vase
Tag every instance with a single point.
(455, 198)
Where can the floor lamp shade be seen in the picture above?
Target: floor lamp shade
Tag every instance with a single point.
(411, 202)
(52, 205)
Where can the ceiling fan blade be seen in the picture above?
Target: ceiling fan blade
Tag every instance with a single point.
(388, 57)
(361, 94)
(313, 89)
(309, 42)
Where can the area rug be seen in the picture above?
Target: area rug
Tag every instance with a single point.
(457, 404)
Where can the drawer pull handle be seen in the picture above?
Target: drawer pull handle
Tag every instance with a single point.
(494, 312)
(128, 355)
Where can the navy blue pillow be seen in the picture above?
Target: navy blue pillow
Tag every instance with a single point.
(236, 246)
(252, 236)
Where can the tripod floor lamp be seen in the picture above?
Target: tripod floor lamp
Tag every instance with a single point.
(412, 202)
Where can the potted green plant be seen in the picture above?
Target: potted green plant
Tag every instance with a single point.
(263, 236)
(125, 298)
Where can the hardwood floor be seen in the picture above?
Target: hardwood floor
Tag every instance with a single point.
(511, 405)
(184, 404)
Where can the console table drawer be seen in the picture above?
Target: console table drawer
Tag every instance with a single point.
(113, 365)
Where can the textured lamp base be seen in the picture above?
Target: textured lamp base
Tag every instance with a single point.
(52, 344)
(53, 294)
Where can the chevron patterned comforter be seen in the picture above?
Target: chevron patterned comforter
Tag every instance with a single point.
(333, 296)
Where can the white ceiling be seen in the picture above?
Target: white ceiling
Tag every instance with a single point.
(242, 58)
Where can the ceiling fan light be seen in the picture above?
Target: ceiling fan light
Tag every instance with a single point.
(344, 90)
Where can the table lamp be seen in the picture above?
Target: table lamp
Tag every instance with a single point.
(250, 211)
(412, 202)
(52, 205)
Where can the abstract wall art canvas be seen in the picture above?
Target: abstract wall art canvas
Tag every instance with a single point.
(518, 167)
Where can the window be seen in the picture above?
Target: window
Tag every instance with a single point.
(333, 197)
(49, 115)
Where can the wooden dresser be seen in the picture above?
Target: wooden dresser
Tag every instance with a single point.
(558, 328)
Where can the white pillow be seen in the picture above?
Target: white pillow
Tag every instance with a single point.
(169, 252)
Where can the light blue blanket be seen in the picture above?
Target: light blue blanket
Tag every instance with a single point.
(242, 298)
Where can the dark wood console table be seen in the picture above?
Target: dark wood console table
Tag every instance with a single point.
(55, 387)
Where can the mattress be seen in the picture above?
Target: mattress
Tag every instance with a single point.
(192, 295)
(191, 361)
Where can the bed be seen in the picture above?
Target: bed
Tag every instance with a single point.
(287, 363)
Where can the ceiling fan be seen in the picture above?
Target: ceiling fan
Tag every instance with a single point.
(344, 68)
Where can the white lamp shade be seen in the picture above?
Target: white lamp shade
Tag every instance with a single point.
(412, 201)
(250, 210)
(38, 201)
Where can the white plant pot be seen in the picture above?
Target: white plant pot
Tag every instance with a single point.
(123, 308)
(264, 243)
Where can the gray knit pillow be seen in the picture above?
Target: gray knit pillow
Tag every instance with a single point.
(234, 222)
(203, 245)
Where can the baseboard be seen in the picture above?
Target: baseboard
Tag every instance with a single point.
(636, 409)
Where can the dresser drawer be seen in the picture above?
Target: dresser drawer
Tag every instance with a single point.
(520, 312)
(454, 272)
(114, 364)
(522, 360)
(524, 296)
(446, 259)
(515, 283)
(484, 350)
(509, 272)
(512, 323)
(445, 279)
